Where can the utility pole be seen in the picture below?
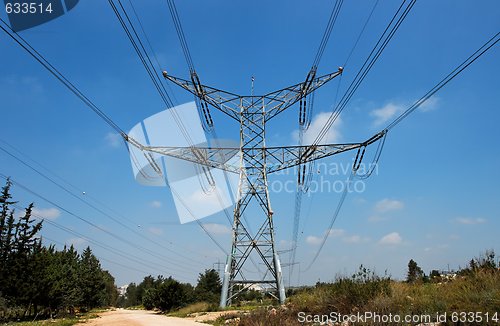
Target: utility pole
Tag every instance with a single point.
(256, 162)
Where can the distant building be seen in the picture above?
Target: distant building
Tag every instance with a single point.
(255, 287)
(122, 289)
(448, 275)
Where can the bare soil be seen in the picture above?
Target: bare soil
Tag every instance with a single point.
(122, 317)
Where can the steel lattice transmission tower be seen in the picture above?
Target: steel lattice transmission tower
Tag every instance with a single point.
(257, 161)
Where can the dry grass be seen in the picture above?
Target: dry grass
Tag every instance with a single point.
(478, 291)
(198, 307)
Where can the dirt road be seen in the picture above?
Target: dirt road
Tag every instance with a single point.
(123, 317)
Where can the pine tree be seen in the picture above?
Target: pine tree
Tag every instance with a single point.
(6, 228)
(110, 289)
(91, 281)
(33, 276)
(209, 286)
(415, 273)
(18, 243)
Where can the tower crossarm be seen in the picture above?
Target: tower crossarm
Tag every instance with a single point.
(280, 100)
(233, 104)
(226, 102)
(277, 158)
(211, 157)
(280, 158)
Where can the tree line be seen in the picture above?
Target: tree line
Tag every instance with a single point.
(168, 294)
(39, 281)
(486, 262)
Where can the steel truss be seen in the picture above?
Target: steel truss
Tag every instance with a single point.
(256, 162)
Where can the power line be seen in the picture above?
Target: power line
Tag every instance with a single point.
(174, 192)
(332, 221)
(203, 108)
(377, 50)
(205, 113)
(65, 189)
(455, 72)
(180, 34)
(360, 33)
(56, 73)
(158, 64)
(149, 68)
(155, 77)
(140, 50)
(138, 45)
(145, 34)
(305, 116)
(466, 63)
(119, 238)
(98, 256)
(181, 201)
(328, 31)
(184, 45)
(138, 260)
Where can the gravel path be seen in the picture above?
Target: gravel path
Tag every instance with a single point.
(122, 317)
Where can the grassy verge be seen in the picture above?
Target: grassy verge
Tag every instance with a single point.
(79, 318)
(475, 292)
(201, 308)
(195, 308)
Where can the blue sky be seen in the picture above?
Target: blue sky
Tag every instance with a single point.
(433, 199)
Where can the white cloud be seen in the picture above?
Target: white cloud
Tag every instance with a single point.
(333, 233)
(336, 233)
(470, 221)
(387, 205)
(430, 104)
(217, 228)
(391, 239)
(385, 113)
(47, 213)
(312, 240)
(113, 139)
(318, 122)
(391, 109)
(155, 231)
(155, 204)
